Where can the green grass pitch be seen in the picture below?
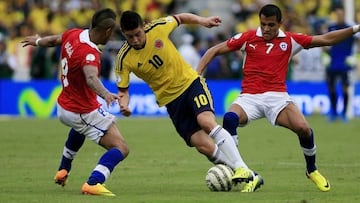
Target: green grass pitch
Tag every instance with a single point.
(160, 168)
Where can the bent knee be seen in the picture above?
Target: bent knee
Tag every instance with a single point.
(124, 149)
(205, 150)
(303, 130)
(122, 146)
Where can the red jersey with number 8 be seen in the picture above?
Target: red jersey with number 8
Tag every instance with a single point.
(77, 51)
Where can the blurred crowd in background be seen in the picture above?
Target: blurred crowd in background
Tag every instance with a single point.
(19, 18)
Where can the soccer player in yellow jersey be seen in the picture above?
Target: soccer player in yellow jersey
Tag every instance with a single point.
(149, 54)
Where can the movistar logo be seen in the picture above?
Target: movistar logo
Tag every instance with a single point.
(230, 97)
(29, 100)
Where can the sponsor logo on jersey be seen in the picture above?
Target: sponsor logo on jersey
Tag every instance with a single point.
(253, 46)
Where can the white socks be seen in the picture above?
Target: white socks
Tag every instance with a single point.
(227, 146)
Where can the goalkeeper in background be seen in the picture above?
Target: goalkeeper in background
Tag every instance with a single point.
(339, 68)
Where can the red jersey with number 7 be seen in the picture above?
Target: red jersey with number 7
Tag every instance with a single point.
(77, 51)
(266, 62)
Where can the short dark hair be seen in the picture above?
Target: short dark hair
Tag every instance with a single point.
(337, 7)
(103, 18)
(271, 10)
(130, 20)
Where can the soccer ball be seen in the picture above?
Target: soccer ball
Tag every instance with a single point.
(218, 178)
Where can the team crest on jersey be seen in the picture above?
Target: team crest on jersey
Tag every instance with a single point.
(283, 46)
(159, 44)
(90, 57)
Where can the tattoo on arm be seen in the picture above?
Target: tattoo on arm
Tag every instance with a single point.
(93, 81)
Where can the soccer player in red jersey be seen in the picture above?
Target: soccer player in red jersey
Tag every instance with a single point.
(78, 107)
(267, 52)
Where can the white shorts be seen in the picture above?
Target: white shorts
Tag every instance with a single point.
(93, 125)
(268, 104)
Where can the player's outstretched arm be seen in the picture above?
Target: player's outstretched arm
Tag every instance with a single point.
(334, 37)
(47, 41)
(210, 54)
(189, 18)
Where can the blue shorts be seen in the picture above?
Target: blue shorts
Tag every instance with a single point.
(183, 110)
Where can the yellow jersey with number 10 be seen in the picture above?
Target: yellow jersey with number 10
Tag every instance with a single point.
(159, 63)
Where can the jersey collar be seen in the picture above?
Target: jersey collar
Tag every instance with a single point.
(85, 38)
(259, 33)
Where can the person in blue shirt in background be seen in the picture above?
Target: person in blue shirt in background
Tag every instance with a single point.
(218, 68)
(339, 67)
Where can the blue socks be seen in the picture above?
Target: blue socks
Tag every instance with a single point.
(231, 122)
(105, 166)
(73, 144)
(309, 148)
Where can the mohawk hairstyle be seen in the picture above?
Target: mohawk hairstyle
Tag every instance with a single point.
(103, 18)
